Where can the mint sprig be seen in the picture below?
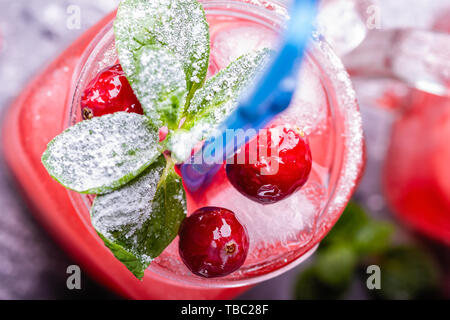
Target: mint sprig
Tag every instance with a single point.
(163, 47)
(140, 220)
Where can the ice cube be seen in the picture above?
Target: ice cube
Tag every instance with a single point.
(419, 14)
(343, 23)
(272, 224)
(290, 221)
(420, 58)
(230, 40)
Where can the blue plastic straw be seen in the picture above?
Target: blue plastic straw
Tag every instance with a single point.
(272, 95)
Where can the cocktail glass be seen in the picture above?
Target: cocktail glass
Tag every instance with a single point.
(281, 235)
(403, 68)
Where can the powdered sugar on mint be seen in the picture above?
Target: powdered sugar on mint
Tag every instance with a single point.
(159, 84)
(144, 216)
(178, 24)
(125, 211)
(99, 155)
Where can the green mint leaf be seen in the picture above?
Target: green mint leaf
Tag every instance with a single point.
(336, 264)
(373, 238)
(310, 287)
(215, 101)
(179, 25)
(408, 273)
(365, 235)
(100, 155)
(352, 219)
(219, 96)
(140, 220)
(159, 84)
(136, 265)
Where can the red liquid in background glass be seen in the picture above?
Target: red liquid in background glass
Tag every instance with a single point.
(417, 168)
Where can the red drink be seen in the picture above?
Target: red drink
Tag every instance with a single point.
(282, 235)
(417, 170)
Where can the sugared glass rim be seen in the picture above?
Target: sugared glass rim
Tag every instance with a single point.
(346, 168)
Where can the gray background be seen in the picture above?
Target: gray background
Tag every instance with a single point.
(32, 33)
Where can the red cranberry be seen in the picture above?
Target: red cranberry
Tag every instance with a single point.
(109, 92)
(212, 242)
(272, 176)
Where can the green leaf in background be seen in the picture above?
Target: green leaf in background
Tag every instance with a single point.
(352, 219)
(100, 155)
(336, 265)
(407, 273)
(373, 238)
(159, 84)
(356, 241)
(140, 220)
(310, 287)
(178, 25)
(215, 101)
(356, 229)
